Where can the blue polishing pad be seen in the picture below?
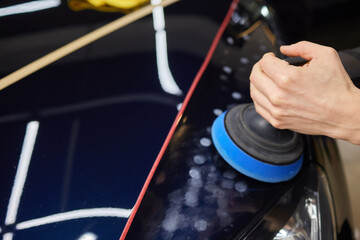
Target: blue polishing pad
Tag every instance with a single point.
(245, 163)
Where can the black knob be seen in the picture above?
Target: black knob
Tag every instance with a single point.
(254, 135)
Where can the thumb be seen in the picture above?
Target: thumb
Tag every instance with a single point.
(304, 49)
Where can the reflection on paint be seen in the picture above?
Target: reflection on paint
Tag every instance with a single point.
(166, 79)
(29, 7)
(76, 214)
(21, 172)
(265, 11)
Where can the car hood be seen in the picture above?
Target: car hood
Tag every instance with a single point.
(79, 136)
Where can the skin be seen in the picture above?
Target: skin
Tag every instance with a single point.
(318, 98)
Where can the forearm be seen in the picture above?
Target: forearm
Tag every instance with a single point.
(350, 58)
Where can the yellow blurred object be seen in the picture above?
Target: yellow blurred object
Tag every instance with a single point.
(124, 6)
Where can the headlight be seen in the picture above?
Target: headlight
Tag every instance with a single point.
(305, 212)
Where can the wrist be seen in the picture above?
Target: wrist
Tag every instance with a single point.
(351, 119)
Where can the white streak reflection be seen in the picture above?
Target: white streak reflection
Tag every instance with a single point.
(21, 172)
(32, 6)
(166, 79)
(76, 214)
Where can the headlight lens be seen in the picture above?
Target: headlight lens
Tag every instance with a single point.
(305, 212)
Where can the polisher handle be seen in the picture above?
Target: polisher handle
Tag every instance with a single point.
(296, 61)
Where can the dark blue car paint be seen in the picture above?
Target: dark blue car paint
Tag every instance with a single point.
(103, 118)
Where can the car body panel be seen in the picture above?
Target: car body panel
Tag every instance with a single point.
(103, 117)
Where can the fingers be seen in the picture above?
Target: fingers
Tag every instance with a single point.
(279, 71)
(275, 116)
(264, 113)
(262, 82)
(304, 49)
(259, 98)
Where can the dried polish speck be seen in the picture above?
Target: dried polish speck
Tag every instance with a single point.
(199, 159)
(229, 174)
(223, 77)
(217, 111)
(227, 69)
(227, 184)
(200, 225)
(179, 106)
(236, 95)
(205, 142)
(246, 37)
(241, 187)
(191, 198)
(244, 60)
(262, 47)
(230, 40)
(194, 173)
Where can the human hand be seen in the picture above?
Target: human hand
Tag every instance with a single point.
(318, 98)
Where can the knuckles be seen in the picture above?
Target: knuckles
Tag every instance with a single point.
(276, 123)
(278, 99)
(331, 51)
(284, 80)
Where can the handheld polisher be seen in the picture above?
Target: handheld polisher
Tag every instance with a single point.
(254, 147)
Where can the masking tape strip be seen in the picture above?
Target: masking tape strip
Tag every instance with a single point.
(250, 29)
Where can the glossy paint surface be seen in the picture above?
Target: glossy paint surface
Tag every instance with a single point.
(102, 116)
(194, 194)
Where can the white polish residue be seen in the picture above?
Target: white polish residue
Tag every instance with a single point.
(199, 159)
(227, 184)
(194, 173)
(229, 174)
(8, 236)
(22, 171)
(241, 187)
(191, 197)
(246, 37)
(230, 40)
(263, 47)
(170, 223)
(236, 95)
(205, 142)
(227, 69)
(179, 106)
(88, 236)
(75, 214)
(217, 111)
(166, 78)
(223, 77)
(200, 225)
(244, 60)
